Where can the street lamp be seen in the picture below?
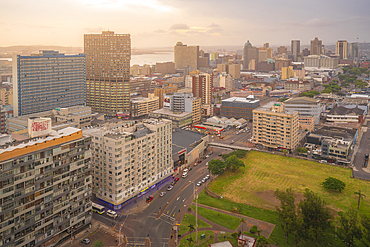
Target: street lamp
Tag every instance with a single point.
(196, 214)
(119, 235)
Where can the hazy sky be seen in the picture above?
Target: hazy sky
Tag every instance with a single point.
(160, 23)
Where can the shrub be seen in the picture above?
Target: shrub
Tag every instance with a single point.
(189, 209)
(253, 229)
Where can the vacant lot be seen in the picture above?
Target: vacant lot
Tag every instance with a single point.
(264, 173)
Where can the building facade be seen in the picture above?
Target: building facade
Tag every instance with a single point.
(166, 89)
(321, 61)
(250, 56)
(165, 68)
(45, 189)
(305, 106)
(202, 86)
(316, 47)
(296, 49)
(48, 80)
(239, 107)
(186, 56)
(108, 72)
(341, 49)
(183, 102)
(297, 85)
(274, 127)
(130, 160)
(141, 106)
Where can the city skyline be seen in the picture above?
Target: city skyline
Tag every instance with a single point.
(161, 23)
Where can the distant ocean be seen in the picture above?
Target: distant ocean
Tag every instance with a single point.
(149, 59)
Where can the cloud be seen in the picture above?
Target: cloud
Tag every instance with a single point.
(159, 31)
(213, 25)
(179, 26)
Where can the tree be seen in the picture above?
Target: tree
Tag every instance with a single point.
(285, 151)
(365, 222)
(283, 99)
(349, 226)
(239, 153)
(287, 213)
(234, 163)
(302, 150)
(360, 196)
(98, 243)
(333, 184)
(327, 90)
(360, 84)
(315, 214)
(190, 240)
(216, 166)
(191, 228)
(262, 241)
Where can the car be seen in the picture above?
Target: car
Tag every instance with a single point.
(206, 177)
(199, 183)
(207, 164)
(173, 183)
(323, 161)
(169, 187)
(184, 175)
(210, 153)
(232, 141)
(199, 161)
(177, 179)
(243, 131)
(85, 241)
(149, 199)
(220, 154)
(162, 193)
(203, 180)
(207, 156)
(237, 133)
(185, 170)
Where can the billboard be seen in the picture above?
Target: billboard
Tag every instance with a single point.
(167, 102)
(39, 127)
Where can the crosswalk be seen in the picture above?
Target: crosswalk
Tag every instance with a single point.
(143, 242)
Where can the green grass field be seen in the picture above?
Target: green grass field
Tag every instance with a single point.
(190, 219)
(209, 239)
(221, 219)
(264, 173)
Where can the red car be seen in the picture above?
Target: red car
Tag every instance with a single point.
(199, 161)
(149, 199)
(177, 179)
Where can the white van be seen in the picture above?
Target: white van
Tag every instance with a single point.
(112, 214)
(184, 175)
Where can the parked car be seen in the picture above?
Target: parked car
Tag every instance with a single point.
(149, 199)
(184, 175)
(232, 141)
(85, 241)
(177, 179)
(169, 187)
(199, 183)
(207, 164)
(203, 180)
(185, 170)
(220, 154)
(199, 161)
(173, 183)
(206, 177)
(162, 193)
(207, 156)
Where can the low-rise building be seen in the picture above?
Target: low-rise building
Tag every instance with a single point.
(306, 122)
(298, 85)
(340, 114)
(305, 106)
(275, 127)
(178, 119)
(46, 188)
(141, 106)
(130, 159)
(75, 116)
(239, 107)
(361, 103)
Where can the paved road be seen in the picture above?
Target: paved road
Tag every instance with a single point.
(159, 226)
(364, 148)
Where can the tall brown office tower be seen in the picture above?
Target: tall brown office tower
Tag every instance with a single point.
(316, 47)
(108, 72)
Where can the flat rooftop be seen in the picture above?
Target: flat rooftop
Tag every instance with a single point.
(170, 113)
(185, 139)
(240, 99)
(335, 132)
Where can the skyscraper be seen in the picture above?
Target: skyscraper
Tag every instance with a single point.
(48, 80)
(250, 56)
(341, 49)
(108, 72)
(296, 49)
(186, 56)
(353, 51)
(316, 47)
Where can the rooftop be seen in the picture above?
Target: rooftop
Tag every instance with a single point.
(340, 110)
(302, 100)
(185, 139)
(240, 100)
(170, 113)
(222, 244)
(336, 132)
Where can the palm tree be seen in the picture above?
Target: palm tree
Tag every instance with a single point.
(360, 195)
(191, 228)
(98, 243)
(190, 240)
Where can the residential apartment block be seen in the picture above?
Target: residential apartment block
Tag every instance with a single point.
(183, 102)
(48, 80)
(297, 85)
(45, 188)
(108, 72)
(275, 127)
(166, 89)
(238, 107)
(129, 159)
(186, 56)
(202, 86)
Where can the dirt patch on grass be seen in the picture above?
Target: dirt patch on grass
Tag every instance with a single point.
(271, 201)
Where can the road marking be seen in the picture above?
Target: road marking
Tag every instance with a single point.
(168, 211)
(177, 198)
(184, 200)
(173, 215)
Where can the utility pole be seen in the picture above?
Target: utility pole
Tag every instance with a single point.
(196, 216)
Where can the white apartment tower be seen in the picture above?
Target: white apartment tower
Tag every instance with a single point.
(130, 159)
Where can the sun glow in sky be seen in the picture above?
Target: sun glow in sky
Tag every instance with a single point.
(161, 23)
